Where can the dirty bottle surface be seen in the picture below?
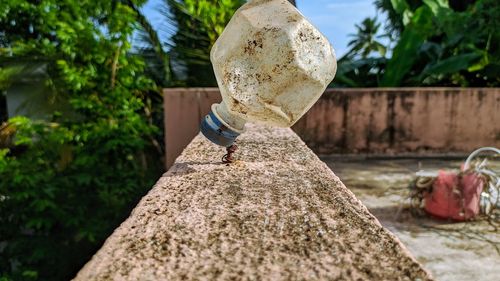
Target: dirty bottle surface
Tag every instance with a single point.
(271, 66)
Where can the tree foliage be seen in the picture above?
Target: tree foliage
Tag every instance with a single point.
(366, 40)
(66, 182)
(436, 43)
(198, 24)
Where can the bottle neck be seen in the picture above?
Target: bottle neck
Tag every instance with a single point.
(229, 119)
(221, 127)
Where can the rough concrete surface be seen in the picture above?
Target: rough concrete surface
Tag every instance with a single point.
(279, 213)
(451, 251)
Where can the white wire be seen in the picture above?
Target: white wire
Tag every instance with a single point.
(476, 152)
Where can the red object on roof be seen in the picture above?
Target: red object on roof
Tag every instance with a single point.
(455, 196)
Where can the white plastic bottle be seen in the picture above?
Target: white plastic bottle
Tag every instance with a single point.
(271, 66)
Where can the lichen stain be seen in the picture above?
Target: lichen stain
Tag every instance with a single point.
(302, 36)
(231, 78)
(292, 18)
(278, 68)
(253, 45)
(273, 29)
(305, 35)
(262, 78)
(239, 106)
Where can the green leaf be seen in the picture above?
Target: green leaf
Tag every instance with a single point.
(30, 274)
(400, 6)
(481, 64)
(437, 6)
(453, 64)
(405, 52)
(407, 15)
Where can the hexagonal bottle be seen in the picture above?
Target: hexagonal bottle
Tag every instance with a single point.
(271, 66)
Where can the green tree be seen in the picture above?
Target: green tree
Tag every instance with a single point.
(436, 43)
(198, 24)
(441, 46)
(152, 50)
(357, 67)
(66, 182)
(365, 40)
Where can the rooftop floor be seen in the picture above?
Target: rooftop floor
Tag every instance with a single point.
(451, 251)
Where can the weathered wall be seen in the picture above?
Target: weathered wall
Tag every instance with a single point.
(375, 120)
(402, 120)
(278, 213)
(184, 110)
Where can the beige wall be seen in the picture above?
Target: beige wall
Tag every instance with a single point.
(391, 121)
(184, 109)
(387, 121)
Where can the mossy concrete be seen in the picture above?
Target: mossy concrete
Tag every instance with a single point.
(278, 213)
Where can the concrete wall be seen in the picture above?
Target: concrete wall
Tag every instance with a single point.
(278, 213)
(387, 121)
(184, 110)
(395, 121)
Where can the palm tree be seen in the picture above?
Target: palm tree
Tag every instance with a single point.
(198, 24)
(157, 59)
(365, 40)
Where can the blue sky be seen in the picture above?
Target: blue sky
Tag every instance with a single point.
(334, 18)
